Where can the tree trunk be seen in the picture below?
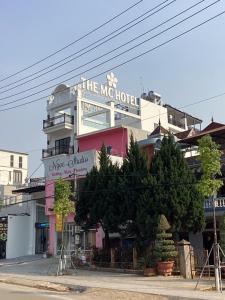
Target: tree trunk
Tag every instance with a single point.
(107, 239)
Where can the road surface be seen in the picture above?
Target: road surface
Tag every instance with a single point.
(15, 292)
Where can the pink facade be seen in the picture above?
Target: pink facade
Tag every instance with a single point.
(117, 138)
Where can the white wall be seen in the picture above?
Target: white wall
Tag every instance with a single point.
(20, 236)
(5, 166)
(150, 115)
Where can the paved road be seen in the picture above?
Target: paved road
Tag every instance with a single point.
(14, 292)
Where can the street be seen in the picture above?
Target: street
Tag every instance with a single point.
(15, 292)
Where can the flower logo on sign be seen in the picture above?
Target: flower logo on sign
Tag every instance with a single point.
(112, 80)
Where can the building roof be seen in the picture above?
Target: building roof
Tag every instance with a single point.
(215, 130)
(159, 130)
(29, 190)
(212, 126)
(11, 151)
(184, 134)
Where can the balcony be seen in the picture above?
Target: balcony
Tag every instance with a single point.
(57, 151)
(61, 122)
(219, 204)
(176, 123)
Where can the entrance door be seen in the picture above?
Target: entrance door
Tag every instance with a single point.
(2, 249)
(41, 240)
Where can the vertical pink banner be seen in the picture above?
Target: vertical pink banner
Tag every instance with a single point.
(99, 237)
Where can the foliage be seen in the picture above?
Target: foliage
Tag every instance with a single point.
(98, 202)
(124, 257)
(209, 156)
(164, 246)
(222, 236)
(173, 189)
(136, 203)
(101, 257)
(63, 206)
(147, 261)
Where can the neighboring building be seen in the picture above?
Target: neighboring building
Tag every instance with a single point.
(190, 145)
(13, 174)
(83, 117)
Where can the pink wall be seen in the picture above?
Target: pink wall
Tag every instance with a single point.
(116, 137)
(49, 197)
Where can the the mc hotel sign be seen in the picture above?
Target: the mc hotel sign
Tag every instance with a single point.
(108, 90)
(69, 165)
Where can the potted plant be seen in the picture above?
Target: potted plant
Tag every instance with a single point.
(164, 249)
(148, 263)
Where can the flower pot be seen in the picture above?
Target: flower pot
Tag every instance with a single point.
(165, 268)
(149, 272)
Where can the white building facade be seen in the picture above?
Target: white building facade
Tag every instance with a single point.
(15, 219)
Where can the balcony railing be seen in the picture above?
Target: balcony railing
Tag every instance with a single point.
(61, 119)
(219, 203)
(176, 123)
(57, 151)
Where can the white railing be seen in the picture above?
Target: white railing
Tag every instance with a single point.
(219, 202)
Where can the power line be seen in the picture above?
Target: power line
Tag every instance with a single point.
(87, 47)
(108, 60)
(93, 60)
(72, 43)
(129, 60)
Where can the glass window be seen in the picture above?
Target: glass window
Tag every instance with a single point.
(62, 145)
(17, 177)
(11, 161)
(20, 162)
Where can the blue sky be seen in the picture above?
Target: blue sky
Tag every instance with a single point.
(184, 71)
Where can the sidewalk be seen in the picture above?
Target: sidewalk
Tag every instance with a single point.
(19, 260)
(43, 270)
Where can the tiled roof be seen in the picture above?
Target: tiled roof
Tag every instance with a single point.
(159, 130)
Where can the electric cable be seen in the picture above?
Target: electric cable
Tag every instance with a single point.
(72, 43)
(77, 52)
(129, 60)
(68, 72)
(104, 62)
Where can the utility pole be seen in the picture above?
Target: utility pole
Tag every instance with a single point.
(216, 250)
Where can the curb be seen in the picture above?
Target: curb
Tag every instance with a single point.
(46, 285)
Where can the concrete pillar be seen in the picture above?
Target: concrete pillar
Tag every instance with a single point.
(134, 258)
(185, 258)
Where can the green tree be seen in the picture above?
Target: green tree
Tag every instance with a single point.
(164, 246)
(209, 156)
(97, 203)
(63, 206)
(136, 201)
(174, 189)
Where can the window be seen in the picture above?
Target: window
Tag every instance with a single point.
(62, 146)
(17, 177)
(109, 149)
(11, 161)
(20, 162)
(10, 176)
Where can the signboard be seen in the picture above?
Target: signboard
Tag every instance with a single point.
(65, 166)
(108, 90)
(41, 225)
(59, 223)
(3, 229)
